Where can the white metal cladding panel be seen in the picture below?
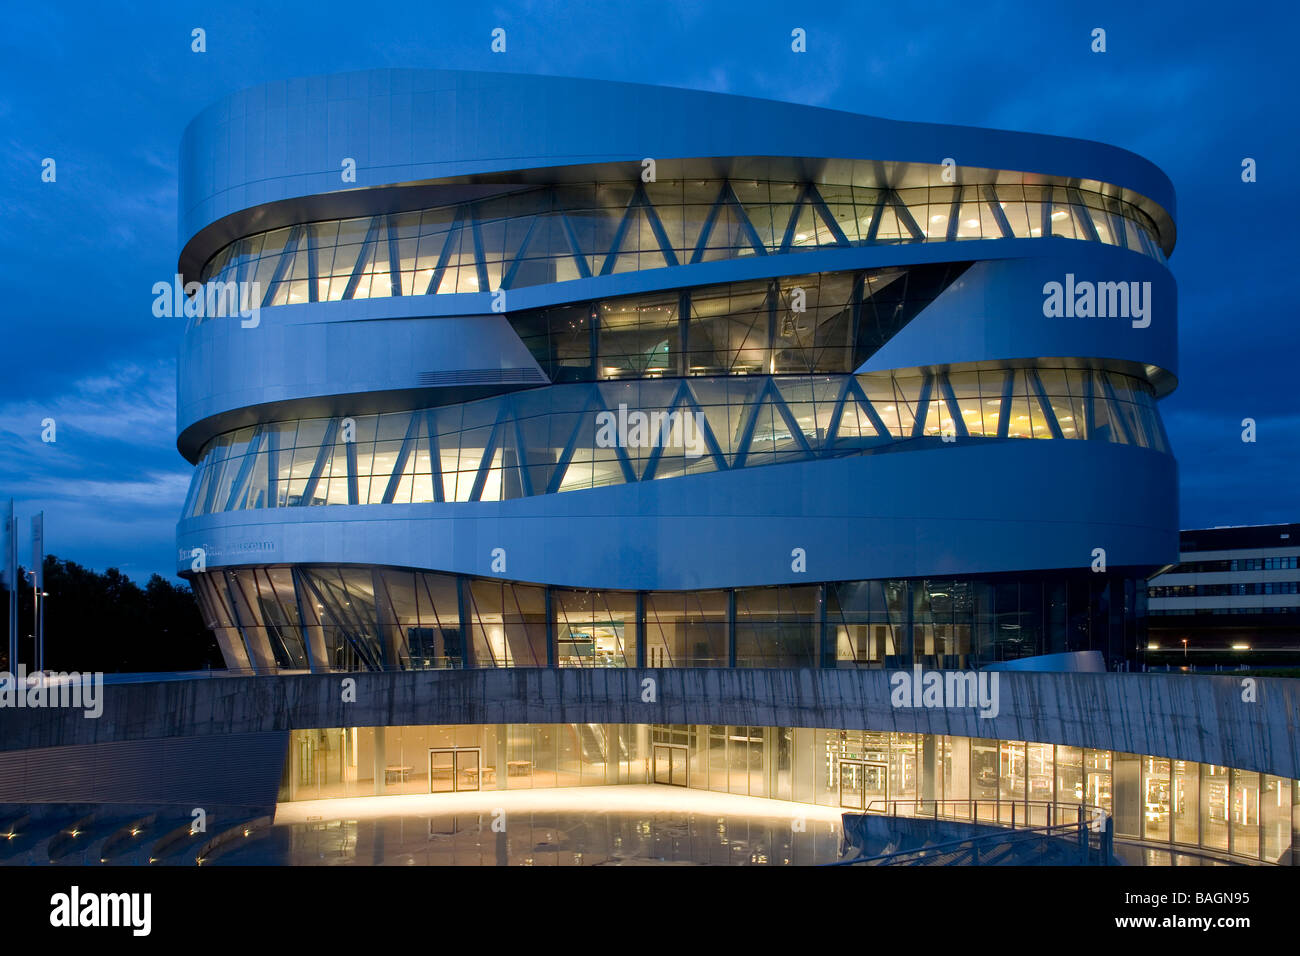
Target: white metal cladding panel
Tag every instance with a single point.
(1224, 601)
(1223, 554)
(1225, 577)
(230, 770)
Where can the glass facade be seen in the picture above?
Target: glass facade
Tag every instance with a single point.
(549, 440)
(350, 618)
(1153, 799)
(548, 234)
(792, 325)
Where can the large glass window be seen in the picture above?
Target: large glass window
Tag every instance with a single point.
(595, 628)
(1245, 813)
(1097, 778)
(985, 778)
(686, 629)
(1157, 799)
(1186, 796)
(1040, 764)
(1069, 775)
(1215, 806)
(565, 438)
(1275, 817)
(1127, 803)
(776, 627)
(556, 233)
(878, 772)
(507, 624)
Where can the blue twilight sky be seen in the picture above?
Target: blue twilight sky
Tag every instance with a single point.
(106, 90)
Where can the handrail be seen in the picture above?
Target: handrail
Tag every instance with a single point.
(1088, 819)
(940, 848)
(1095, 813)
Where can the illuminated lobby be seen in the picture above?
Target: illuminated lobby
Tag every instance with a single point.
(1228, 813)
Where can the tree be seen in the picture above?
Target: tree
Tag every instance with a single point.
(107, 622)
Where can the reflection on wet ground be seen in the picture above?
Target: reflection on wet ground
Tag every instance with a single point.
(629, 825)
(542, 839)
(1130, 854)
(581, 827)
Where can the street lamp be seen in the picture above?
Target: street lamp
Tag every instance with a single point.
(38, 629)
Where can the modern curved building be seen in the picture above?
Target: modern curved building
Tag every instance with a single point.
(607, 434)
(556, 433)
(553, 373)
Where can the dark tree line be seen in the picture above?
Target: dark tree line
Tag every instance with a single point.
(106, 622)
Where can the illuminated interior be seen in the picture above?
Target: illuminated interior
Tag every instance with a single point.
(1153, 799)
(549, 234)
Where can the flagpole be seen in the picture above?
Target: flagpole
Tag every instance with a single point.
(11, 584)
(38, 585)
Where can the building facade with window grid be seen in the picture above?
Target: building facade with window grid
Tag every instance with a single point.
(1232, 598)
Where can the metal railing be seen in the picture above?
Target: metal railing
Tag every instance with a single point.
(1087, 829)
(1015, 813)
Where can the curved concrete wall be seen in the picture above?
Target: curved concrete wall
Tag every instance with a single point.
(1183, 717)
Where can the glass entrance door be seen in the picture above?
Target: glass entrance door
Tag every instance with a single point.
(670, 765)
(851, 784)
(864, 786)
(467, 769)
(454, 770)
(442, 771)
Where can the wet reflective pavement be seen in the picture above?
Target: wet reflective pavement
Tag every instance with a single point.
(591, 826)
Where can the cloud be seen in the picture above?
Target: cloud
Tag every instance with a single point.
(111, 484)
